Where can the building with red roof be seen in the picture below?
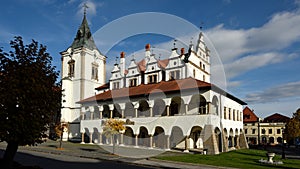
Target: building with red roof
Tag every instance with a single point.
(264, 131)
(166, 104)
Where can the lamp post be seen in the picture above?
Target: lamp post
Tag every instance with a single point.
(283, 153)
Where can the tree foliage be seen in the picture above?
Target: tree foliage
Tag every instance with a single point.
(113, 126)
(293, 126)
(29, 93)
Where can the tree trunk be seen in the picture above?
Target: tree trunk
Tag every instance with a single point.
(10, 153)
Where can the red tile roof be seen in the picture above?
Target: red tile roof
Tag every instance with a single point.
(163, 86)
(276, 118)
(249, 115)
(163, 63)
(142, 65)
(105, 86)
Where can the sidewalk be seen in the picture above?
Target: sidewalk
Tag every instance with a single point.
(93, 151)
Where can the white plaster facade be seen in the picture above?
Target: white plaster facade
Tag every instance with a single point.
(170, 103)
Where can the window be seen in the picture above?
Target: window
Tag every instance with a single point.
(246, 131)
(152, 79)
(133, 82)
(263, 131)
(270, 131)
(175, 74)
(194, 73)
(278, 131)
(225, 113)
(204, 78)
(116, 85)
(94, 71)
(200, 65)
(233, 116)
(253, 131)
(71, 68)
(204, 67)
(229, 113)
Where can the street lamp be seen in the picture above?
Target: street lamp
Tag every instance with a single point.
(282, 144)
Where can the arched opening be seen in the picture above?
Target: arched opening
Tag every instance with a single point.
(176, 137)
(264, 140)
(144, 137)
(159, 139)
(96, 112)
(106, 112)
(218, 135)
(279, 140)
(117, 112)
(215, 106)
(144, 109)
(195, 136)
(129, 136)
(129, 110)
(177, 106)
(231, 138)
(271, 140)
(197, 105)
(159, 108)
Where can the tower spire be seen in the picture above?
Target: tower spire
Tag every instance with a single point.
(84, 36)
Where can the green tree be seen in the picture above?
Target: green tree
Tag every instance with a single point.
(29, 95)
(111, 128)
(293, 126)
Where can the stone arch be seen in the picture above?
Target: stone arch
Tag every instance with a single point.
(195, 137)
(176, 136)
(159, 108)
(159, 137)
(106, 111)
(215, 105)
(144, 109)
(197, 105)
(144, 139)
(117, 112)
(128, 136)
(129, 110)
(271, 140)
(218, 135)
(177, 106)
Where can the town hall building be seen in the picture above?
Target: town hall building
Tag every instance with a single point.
(165, 104)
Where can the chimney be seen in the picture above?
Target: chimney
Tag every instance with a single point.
(147, 52)
(122, 63)
(182, 51)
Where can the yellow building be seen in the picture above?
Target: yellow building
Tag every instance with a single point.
(264, 131)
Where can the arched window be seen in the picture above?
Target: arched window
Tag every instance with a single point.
(95, 71)
(71, 64)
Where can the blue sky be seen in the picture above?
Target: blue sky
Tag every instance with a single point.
(258, 41)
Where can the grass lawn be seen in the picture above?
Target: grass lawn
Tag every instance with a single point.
(238, 159)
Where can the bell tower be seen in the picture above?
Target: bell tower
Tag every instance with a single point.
(83, 69)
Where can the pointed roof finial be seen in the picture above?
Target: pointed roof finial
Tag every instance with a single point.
(116, 60)
(191, 41)
(201, 25)
(174, 43)
(84, 8)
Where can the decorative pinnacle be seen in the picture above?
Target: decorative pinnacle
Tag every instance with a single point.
(84, 8)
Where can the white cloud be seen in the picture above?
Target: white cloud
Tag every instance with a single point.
(92, 7)
(279, 32)
(251, 62)
(277, 93)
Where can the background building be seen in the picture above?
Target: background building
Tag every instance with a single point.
(264, 131)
